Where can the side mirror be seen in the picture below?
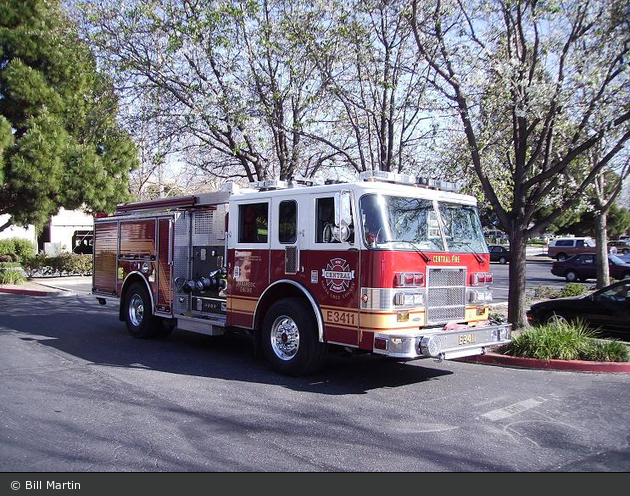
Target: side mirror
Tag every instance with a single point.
(343, 215)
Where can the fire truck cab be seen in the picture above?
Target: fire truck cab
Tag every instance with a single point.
(390, 265)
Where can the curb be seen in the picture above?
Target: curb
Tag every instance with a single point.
(566, 365)
(27, 292)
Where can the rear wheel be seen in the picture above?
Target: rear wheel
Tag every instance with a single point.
(571, 276)
(556, 318)
(561, 257)
(503, 260)
(138, 312)
(625, 275)
(290, 341)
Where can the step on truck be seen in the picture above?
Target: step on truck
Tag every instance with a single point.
(390, 264)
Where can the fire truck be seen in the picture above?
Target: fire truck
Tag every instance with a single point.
(389, 264)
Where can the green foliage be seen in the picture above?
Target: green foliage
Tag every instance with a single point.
(572, 289)
(18, 249)
(561, 341)
(617, 223)
(64, 264)
(60, 143)
(11, 277)
(550, 292)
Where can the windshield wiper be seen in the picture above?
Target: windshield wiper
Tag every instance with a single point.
(472, 250)
(414, 246)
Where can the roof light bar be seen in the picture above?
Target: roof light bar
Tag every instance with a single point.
(412, 180)
(271, 184)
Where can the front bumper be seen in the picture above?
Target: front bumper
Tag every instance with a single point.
(440, 343)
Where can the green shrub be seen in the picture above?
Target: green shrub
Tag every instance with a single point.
(18, 248)
(64, 264)
(608, 351)
(562, 341)
(546, 292)
(11, 277)
(572, 289)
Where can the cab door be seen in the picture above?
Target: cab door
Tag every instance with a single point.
(332, 268)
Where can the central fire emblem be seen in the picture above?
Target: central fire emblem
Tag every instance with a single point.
(338, 275)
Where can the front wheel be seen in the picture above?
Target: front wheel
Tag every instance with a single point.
(503, 260)
(290, 341)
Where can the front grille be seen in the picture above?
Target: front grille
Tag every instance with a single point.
(446, 295)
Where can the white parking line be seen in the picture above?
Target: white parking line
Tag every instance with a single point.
(511, 410)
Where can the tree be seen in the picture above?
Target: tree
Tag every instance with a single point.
(60, 144)
(235, 90)
(365, 52)
(535, 87)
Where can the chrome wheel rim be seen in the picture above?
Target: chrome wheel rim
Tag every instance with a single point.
(571, 277)
(136, 310)
(285, 338)
(557, 319)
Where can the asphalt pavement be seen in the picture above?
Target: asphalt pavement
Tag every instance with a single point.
(77, 393)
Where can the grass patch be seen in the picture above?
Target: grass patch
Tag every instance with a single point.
(561, 341)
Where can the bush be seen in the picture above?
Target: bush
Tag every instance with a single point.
(563, 341)
(64, 264)
(572, 289)
(10, 276)
(17, 248)
(549, 292)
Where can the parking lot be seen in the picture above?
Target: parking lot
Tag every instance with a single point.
(77, 393)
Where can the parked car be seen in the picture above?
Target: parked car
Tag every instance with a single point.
(583, 267)
(607, 309)
(499, 254)
(620, 246)
(563, 248)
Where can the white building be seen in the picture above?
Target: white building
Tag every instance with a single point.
(64, 232)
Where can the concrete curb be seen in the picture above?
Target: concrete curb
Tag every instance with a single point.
(566, 365)
(27, 292)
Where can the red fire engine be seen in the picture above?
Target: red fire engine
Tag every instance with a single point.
(388, 265)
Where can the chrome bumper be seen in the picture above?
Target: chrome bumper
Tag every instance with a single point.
(441, 344)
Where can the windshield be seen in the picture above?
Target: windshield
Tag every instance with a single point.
(462, 228)
(394, 221)
(399, 222)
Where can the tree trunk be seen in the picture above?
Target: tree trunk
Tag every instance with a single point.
(518, 273)
(6, 225)
(603, 274)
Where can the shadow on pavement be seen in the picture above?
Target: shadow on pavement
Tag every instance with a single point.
(83, 329)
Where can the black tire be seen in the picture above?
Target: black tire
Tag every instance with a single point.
(290, 340)
(625, 275)
(138, 312)
(561, 257)
(571, 276)
(503, 260)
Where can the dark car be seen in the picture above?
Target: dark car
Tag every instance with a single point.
(583, 267)
(607, 309)
(499, 254)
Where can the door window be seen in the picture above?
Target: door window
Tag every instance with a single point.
(253, 223)
(287, 223)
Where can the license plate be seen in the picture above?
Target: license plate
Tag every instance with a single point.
(464, 339)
